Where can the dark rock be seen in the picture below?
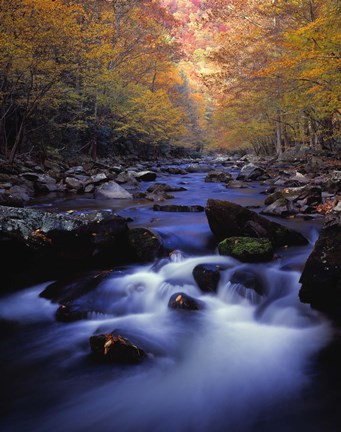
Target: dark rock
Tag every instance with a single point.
(145, 244)
(146, 176)
(50, 244)
(178, 208)
(251, 172)
(218, 177)
(227, 219)
(181, 301)
(163, 187)
(247, 249)
(174, 170)
(249, 280)
(158, 196)
(321, 277)
(115, 349)
(67, 290)
(207, 276)
(70, 313)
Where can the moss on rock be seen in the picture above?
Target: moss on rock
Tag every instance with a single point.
(247, 249)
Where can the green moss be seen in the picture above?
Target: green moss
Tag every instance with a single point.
(247, 249)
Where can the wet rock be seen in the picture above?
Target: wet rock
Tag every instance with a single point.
(73, 184)
(45, 184)
(174, 170)
(181, 301)
(145, 244)
(321, 277)
(207, 276)
(247, 249)
(178, 208)
(128, 179)
(111, 190)
(163, 187)
(218, 177)
(198, 168)
(251, 172)
(227, 219)
(158, 196)
(333, 182)
(70, 313)
(66, 290)
(115, 349)
(146, 176)
(50, 244)
(249, 280)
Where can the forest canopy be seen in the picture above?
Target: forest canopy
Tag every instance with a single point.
(106, 76)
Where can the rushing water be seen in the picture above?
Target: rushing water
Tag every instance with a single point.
(245, 362)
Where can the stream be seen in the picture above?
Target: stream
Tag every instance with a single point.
(245, 362)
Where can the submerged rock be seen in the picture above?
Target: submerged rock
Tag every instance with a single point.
(115, 349)
(249, 280)
(227, 219)
(178, 208)
(321, 277)
(185, 302)
(247, 249)
(69, 313)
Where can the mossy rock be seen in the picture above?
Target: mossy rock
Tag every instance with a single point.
(247, 249)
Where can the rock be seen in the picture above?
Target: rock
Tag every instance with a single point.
(50, 244)
(207, 276)
(45, 184)
(70, 313)
(249, 280)
(297, 180)
(252, 172)
(111, 190)
(321, 276)
(163, 187)
(178, 208)
(174, 170)
(247, 249)
(158, 196)
(146, 176)
(146, 244)
(127, 179)
(181, 301)
(115, 349)
(98, 178)
(227, 219)
(291, 201)
(218, 177)
(333, 182)
(198, 168)
(67, 290)
(73, 183)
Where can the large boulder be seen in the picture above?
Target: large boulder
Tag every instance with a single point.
(247, 249)
(321, 276)
(178, 208)
(37, 246)
(227, 219)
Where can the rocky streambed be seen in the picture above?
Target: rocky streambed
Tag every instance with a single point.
(144, 317)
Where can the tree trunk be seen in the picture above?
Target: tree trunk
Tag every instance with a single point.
(279, 150)
(18, 140)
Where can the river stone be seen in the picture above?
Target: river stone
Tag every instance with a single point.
(218, 177)
(227, 219)
(111, 190)
(146, 176)
(145, 244)
(163, 187)
(181, 301)
(207, 276)
(178, 208)
(247, 249)
(70, 313)
(115, 349)
(321, 276)
(252, 172)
